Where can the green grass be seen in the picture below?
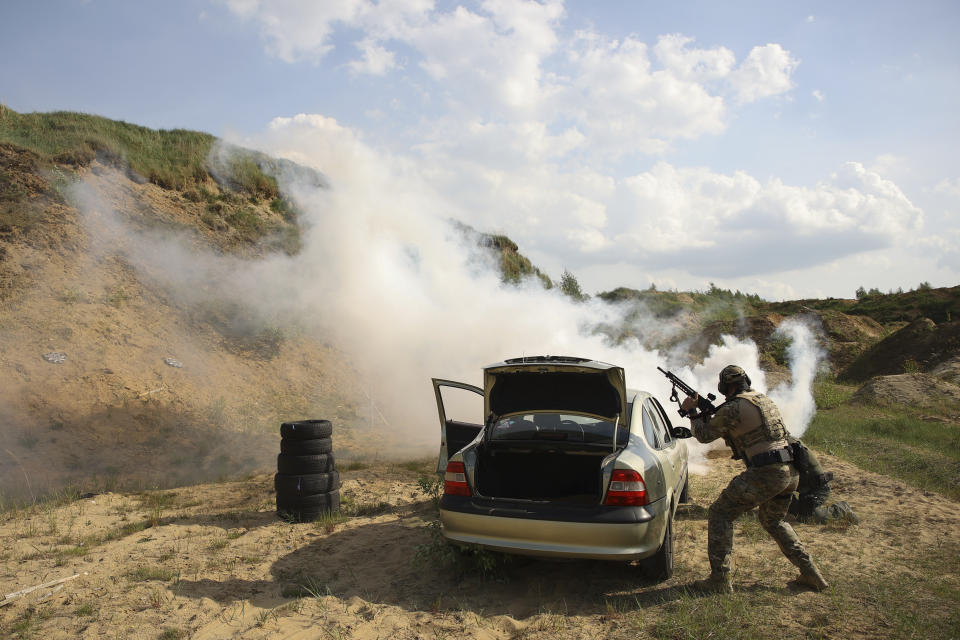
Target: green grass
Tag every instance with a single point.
(740, 615)
(426, 465)
(830, 395)
(940, 305)
(173, 159)
(892, 441)
(146, 574)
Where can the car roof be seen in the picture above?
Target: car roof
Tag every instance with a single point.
(552, 360)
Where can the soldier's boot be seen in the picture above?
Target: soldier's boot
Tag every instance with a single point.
(842, 511)
(811, 577)
(716, 583)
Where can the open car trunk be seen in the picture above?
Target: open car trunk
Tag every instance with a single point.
(540, 472)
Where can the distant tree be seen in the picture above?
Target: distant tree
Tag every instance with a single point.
(570, 287)
(860, 292)
(874, 292)
(924, 286)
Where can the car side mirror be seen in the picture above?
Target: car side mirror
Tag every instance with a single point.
(681, 432)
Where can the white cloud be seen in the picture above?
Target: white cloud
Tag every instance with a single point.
(765, 72)
(624, 104)
(509, 63)
(496, 53)
(376, 59)
(816, 93)
(699, 64)
(301, 30)
(948, 187)
(713, 222)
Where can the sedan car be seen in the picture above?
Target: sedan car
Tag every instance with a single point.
(565, 462)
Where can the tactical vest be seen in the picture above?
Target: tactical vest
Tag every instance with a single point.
(770, 430)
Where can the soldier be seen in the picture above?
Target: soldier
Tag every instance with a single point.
(752, 424)
(813, 490)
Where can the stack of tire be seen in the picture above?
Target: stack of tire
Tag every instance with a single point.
(307, 482)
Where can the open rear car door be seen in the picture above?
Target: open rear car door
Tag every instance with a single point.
(456, 434)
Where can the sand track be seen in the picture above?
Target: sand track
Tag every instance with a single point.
(213, 561)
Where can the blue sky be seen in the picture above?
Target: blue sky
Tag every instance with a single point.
(785, 148)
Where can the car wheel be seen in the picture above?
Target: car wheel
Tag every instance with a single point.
(685, 492)
(306, 447)
(306, 429)
(288, 464)
(660, 565)
(305, 485)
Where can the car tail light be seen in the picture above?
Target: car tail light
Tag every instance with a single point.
(626, 489)
(455, 480)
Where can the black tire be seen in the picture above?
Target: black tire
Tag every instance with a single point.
(306, 429)
(685, 492)
(305, 485)
(292, 465)
(660, 565)
(306, 447)
(329, 501)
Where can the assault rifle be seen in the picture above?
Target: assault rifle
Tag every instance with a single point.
(705, 408)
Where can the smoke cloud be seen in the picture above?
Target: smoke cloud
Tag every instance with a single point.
(385, 277)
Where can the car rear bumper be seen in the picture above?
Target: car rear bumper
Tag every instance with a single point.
(606, 533)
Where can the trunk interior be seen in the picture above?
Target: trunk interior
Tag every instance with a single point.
(568, 476)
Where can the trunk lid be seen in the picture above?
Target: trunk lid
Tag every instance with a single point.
(555, 384)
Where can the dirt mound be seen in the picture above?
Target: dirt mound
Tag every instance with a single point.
(759, 328)
(948, 371)
(919, 346)
(916, 389)
(847, 336)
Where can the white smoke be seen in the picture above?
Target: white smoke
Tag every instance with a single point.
(805, 356)
(385, 277)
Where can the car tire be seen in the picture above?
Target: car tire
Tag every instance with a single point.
(329, 501)
(305, 485)
(306, 447)
(660, 565)
(685, 492)
(306, 429)
(291, 465)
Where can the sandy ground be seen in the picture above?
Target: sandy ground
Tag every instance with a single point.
(214, 561)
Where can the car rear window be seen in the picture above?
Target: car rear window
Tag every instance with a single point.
(561, 427)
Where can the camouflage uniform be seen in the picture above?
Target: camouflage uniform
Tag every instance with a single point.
(751, 422)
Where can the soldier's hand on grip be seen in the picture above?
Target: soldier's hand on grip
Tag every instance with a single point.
(689, 403)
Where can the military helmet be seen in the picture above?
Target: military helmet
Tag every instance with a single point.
(732, 378)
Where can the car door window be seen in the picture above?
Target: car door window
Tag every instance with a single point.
(663, 414)
(649, 429)
(662, 435)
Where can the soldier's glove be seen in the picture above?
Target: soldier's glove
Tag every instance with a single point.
(689, 403)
